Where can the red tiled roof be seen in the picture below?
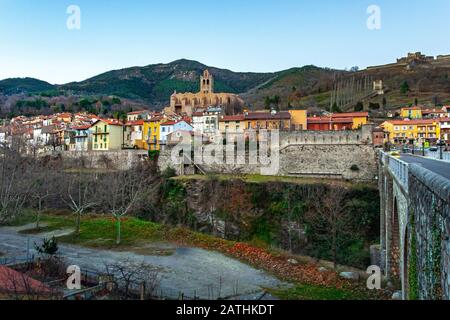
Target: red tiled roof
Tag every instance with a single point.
(12, 281)
(135, 123)
(173, 122)
(417, 122)
(428, 111)
(412, 108)
(112, 122)
(351, 115)
(85, 127)
(328, 120)
(239, 117)
(153, 119)
(169, 123)
(268, 116)
(137, 112)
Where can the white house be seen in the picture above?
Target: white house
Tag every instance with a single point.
(82, 138)
(207, 122)
(198, 122)
(134, 133)
(169, 127)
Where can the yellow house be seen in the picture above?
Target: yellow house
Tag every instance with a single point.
(299, 119)
(151, 133)
(107, 134)
(403, 131)
(411, 113)
(232, 124)
(359, 119)
(268, 120)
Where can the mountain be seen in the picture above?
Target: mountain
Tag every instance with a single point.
(24, 85)
(154, 84)
(309, 86)
(292, 85)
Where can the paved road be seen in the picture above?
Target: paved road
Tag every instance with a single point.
(440, 167)
(186, 270)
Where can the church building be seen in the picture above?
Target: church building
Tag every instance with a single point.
(188, 103)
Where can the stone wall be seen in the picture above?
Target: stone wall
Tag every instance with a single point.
(352, 162)
(120, 160)
(338, 154)
(430, 207)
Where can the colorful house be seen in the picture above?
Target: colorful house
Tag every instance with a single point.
(268, 120)
(169, 127)
(151, 133)
(134, 134)
(338, 121)
(405, 131)
(107, 134)
(82, 138)
(411, 113)
(299, 119)
(444, 128)
(138, 115)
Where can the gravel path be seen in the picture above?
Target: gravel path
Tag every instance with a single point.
(187, 270)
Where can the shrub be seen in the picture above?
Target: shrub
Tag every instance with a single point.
(169, 173)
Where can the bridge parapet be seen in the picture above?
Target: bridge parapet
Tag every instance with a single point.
(415, 228)
(398, 168)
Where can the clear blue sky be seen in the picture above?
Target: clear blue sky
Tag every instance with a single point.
(241, 35)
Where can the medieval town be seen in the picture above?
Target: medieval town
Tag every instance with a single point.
(183, 181)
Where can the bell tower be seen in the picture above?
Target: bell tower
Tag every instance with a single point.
(206, 83)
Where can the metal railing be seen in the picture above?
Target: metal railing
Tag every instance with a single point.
(398, 168)
(11, 261)
(437, 155)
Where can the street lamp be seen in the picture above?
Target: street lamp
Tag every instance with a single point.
(411, 142)
(441, 145)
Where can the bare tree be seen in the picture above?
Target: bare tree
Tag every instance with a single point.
(330, 219)
(44, 186)
(126, 192)
(133, 278)
(81, 194)
(14, 183)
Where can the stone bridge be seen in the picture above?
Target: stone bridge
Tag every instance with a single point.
(415, 225)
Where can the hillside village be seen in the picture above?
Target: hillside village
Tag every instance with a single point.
(205, 114)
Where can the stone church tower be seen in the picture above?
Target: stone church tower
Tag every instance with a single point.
(187, 103)
(206, 83)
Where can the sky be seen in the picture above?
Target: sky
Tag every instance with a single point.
(240, 35)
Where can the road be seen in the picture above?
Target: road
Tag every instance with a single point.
(186, 270)
(440, 167)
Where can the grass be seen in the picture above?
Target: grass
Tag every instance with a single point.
(27, 216)
(310, 292)
(261, 179)
(138, 235)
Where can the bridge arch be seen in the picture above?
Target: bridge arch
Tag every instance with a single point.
(405, 267)
(395, 240)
